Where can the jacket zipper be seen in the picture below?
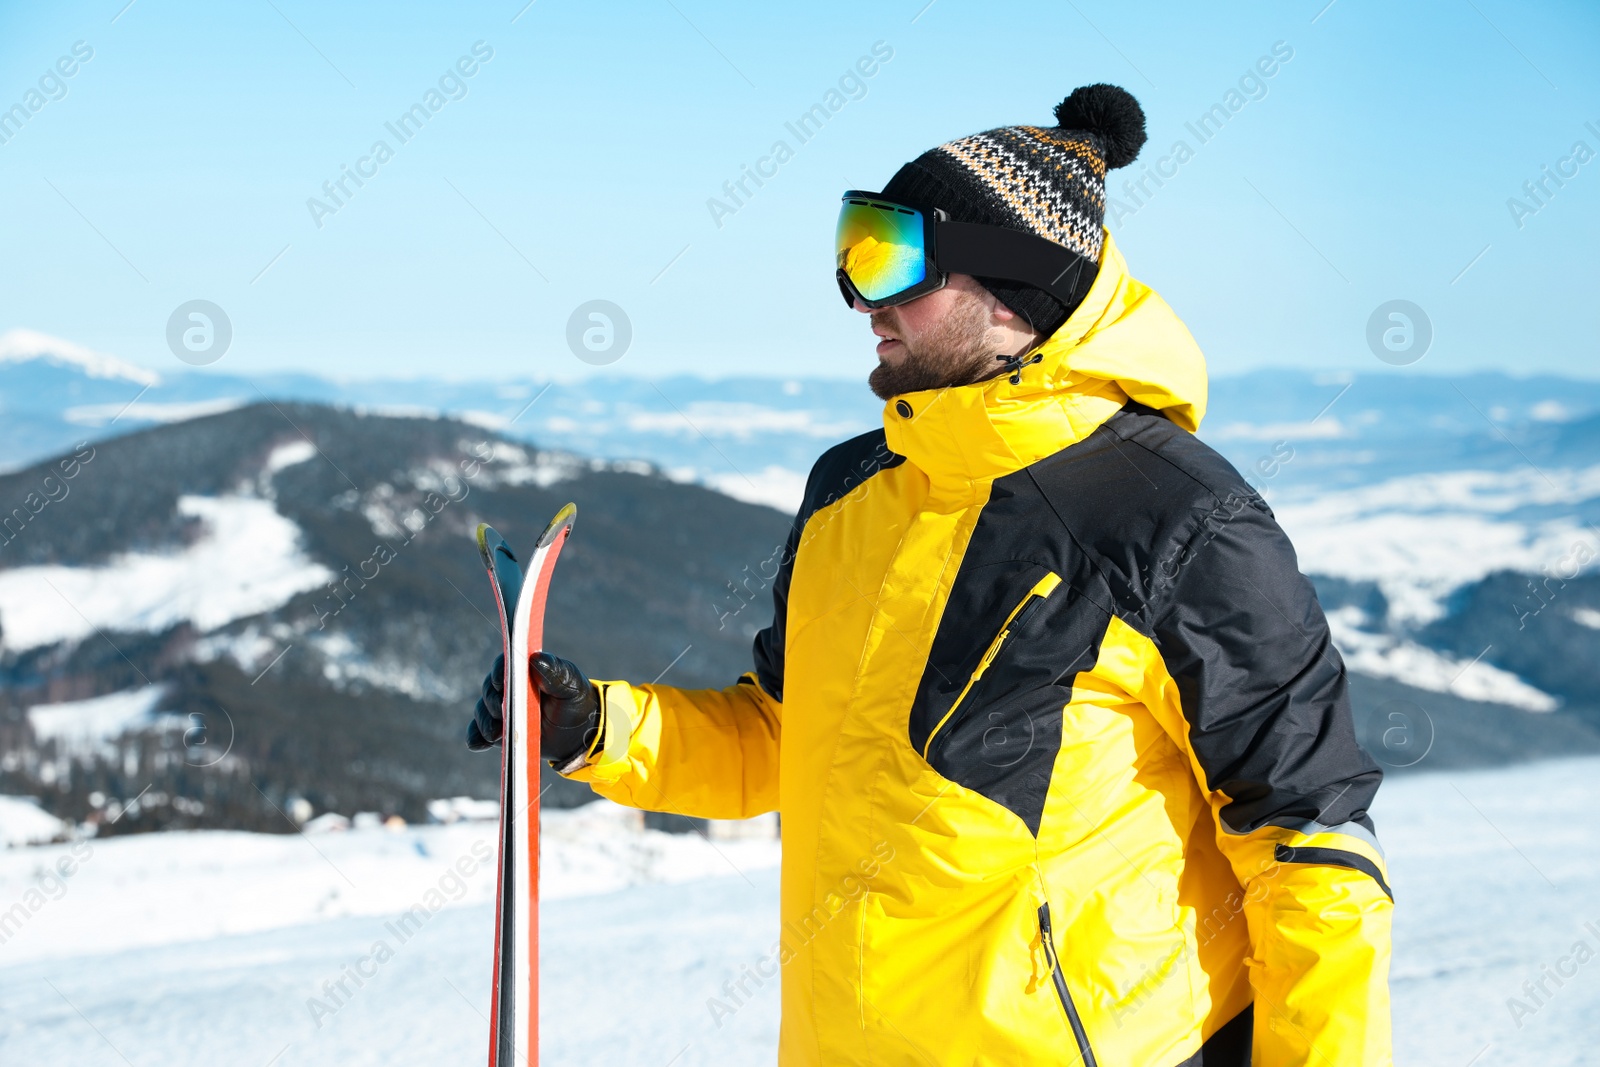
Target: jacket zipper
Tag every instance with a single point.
(1019, 615)
(1333, 857)
(1060, 980)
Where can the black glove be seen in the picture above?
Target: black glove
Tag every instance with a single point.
(568, 706)
(484, 730)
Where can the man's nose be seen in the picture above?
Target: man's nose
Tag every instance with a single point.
(859, 306)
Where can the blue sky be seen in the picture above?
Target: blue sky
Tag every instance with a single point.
(576, 163)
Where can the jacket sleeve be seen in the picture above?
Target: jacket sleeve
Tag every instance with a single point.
(1267, 725)
(713, 753)
(707, 753)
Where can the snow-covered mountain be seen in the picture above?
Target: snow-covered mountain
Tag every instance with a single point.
(278, 609)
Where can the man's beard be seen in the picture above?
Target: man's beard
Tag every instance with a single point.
(954, 354)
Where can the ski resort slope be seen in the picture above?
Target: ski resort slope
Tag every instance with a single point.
(1495, 872)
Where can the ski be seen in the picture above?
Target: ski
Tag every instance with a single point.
(520, 597)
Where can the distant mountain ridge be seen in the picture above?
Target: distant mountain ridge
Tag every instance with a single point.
(22, 346)
(754, 437)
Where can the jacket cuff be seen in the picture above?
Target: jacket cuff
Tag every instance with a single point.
(606, 757)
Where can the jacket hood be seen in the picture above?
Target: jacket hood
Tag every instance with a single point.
(1122, 343)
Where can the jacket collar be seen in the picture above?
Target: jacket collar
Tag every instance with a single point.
(1123, 342)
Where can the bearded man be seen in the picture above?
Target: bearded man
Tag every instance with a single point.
(1063, 750)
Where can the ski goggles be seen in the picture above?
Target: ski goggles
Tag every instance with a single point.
(889, 253)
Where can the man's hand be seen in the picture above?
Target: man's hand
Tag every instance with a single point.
(484, 730)
(569, 708)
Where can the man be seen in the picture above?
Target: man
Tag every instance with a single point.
(1063, 751)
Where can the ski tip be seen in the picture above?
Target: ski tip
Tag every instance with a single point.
(561, 523)
(490, 542)
(482, 536)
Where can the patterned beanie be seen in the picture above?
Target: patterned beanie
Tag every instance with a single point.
(1049, 181)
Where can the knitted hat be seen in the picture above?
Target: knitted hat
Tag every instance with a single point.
(1049, 181)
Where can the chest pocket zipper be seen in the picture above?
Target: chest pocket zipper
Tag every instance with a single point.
(1020, 614)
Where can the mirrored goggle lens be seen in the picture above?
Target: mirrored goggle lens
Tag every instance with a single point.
(879, 247)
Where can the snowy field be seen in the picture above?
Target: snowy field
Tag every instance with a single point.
(213, 948)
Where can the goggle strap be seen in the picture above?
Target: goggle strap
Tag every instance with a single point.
(1015, 256)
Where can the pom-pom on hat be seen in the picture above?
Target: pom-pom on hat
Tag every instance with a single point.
(1046, 180)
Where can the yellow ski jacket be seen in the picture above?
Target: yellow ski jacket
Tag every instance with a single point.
(1062, 748)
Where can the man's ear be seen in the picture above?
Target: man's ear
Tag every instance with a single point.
(1016, 320)
(1014, 323)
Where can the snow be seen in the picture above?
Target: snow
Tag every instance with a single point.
(251, 648)
(720, 418)
(1495, 874)
(455, 809)
(156, 889)
(196, 949)
(83, 728)
(512, 465)
(398, 411)
(1422, 536)
(19, 346)
(1471, 491)
(1550, 411)
(776, 487)
(346, 663)
(101, 414)
(289, 454)
(485, 420)
(1313, 430)
(23, 822)
(1382, 655)
(247, 561)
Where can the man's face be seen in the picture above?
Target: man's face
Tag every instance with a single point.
(944, 339)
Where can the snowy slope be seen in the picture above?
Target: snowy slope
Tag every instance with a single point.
(23, 822)
(1495, 873)
(85, 728)
(247, 560)
(1422, 536)
(158, 889)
